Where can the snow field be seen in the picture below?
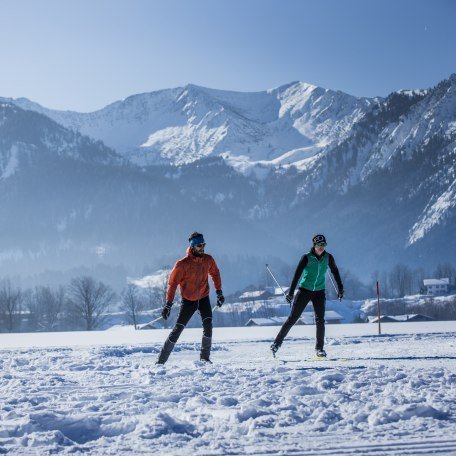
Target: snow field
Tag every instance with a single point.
(391, 394)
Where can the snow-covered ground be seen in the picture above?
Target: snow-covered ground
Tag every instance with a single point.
(100, 392)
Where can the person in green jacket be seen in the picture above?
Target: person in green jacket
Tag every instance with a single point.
(311, 274)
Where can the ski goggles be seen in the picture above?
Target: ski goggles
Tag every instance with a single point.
(197, 241)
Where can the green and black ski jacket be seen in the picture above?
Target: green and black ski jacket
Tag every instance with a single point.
(311, 272)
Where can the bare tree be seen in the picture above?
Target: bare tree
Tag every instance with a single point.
(29, 308)
(418, 280)
(163, 288)
(48, 306)
(132, 304)
(150, 297)
(374, 278)
(401, 280)
(10, 303)
(88, 300)
(159, 295)
(445, 271)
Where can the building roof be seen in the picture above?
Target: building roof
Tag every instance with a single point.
(383, 318)
(430, 282)
(273, 321)
(261, 322)
(330, 315)
(400, 318)
(253, 294)
(277, 291)
(279, 320)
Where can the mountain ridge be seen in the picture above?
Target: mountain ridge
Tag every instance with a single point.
(375, 175)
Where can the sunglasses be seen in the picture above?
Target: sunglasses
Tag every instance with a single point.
(200, 246)
(321, 244)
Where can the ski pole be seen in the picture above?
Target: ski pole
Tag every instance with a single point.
(158, 318)
(334, 285)
(270, 272)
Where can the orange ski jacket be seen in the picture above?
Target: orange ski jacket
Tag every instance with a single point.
(191, 275)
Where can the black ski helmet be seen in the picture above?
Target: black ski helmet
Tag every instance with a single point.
(319, 239)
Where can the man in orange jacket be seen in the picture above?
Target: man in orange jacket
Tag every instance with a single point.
(191, 275)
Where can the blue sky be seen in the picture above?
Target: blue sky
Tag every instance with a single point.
(83, 55)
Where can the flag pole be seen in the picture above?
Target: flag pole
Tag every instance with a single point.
(378, 309)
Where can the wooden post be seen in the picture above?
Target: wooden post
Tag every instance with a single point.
(378, 309)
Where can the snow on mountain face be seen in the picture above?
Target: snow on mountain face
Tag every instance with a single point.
(433, 214)
(42, 138)
(322, 115)
(350, 153)
(178, 126)
(403, 149)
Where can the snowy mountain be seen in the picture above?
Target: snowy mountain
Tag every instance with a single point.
(398, 166)
(178, 126)
(68, 202)
(259, 173)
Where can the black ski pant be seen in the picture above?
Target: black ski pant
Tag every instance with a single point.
(187, 309)
(300, 302)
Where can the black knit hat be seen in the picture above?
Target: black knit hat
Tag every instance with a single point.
(319, 239)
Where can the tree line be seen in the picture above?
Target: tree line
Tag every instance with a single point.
(396, 282)
(402, 280)
(84, 304)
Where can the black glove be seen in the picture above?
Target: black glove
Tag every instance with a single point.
(220, 298)
(289, 298)
(340, 294)
(166, 310)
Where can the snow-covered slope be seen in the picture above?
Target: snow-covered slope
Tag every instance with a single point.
(100, 392)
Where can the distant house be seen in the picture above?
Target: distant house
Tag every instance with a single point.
(412, 317)
(419, 317)
(401, 318)
(261, 322)
(258, 295)
(307, 318)
(277, 291)
(383, 319)
(436, 286)
(273, 321)
(331, 318)
(279, 320)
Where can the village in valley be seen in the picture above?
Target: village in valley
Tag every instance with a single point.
(266, 306)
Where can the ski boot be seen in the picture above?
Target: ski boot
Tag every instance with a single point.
(320, 353)
(205, 360)
(274, 347)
